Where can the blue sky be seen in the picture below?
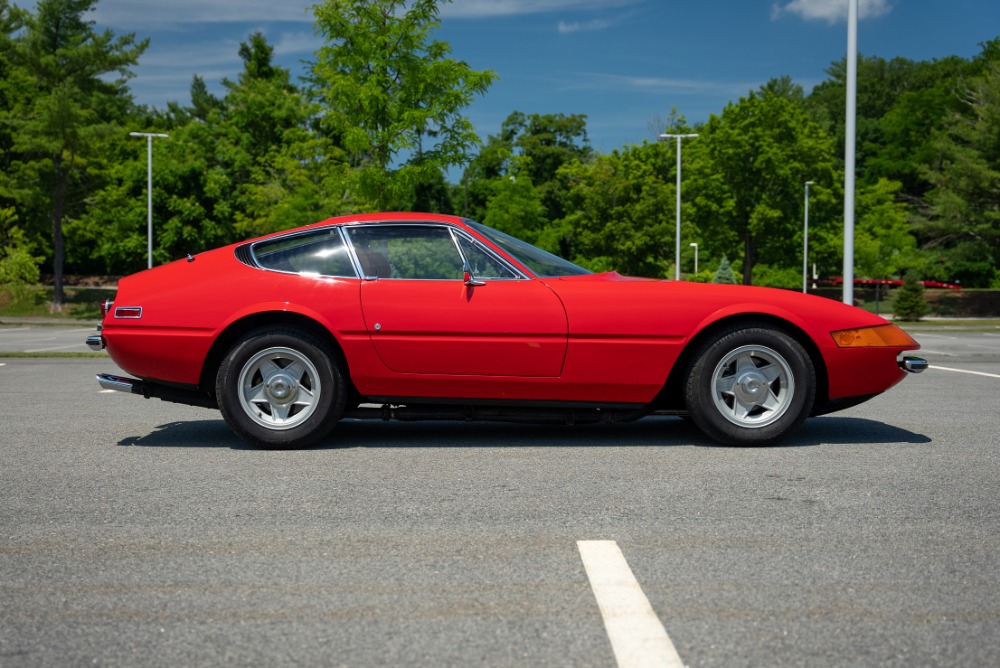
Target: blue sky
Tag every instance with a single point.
(620, 62)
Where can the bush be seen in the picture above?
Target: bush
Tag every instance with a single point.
(18, 268)
(911, 303)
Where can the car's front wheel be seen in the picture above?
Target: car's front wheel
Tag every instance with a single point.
(750, 385)
(279, 387)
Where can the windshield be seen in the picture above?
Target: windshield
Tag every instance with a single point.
(542, 263)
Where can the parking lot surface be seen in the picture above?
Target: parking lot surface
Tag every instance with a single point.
(136, 532)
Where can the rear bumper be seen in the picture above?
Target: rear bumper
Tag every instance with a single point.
(95, 342)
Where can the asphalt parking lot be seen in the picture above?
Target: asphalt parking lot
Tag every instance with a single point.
(137, 532)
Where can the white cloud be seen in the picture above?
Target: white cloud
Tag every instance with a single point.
(830, 11)
(481, 9)
(658, 85)
(146, 15)
(586, 26)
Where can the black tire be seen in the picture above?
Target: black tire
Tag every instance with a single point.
(750, 385)
(279, 387)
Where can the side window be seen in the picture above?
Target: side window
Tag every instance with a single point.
(322, 252)
(482, 264)
(406, 251)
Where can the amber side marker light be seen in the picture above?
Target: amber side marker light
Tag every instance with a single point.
(880, 336)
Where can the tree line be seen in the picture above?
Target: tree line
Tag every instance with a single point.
(377, 123)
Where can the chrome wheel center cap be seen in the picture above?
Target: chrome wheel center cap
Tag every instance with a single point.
(752, 385)
(281, 387)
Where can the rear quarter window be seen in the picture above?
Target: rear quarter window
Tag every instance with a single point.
(322, 252)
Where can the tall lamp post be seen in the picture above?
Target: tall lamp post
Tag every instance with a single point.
(695, 246)
(149, 190)
(677, 254)
(805, 245)
(850, 148)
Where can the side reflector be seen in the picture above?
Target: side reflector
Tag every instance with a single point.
(881, 336)
(128, 312)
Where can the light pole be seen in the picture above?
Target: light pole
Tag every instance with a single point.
(695, 246)
(850, 140)
(805, 245)
(677, 254)
(149, 190)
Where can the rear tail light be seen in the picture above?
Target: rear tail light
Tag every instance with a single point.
(106, 306)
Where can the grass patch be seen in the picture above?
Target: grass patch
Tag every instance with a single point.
(964, 324)
(36, 302)
(23, 355)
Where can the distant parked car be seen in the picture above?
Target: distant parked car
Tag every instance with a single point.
(416, 316)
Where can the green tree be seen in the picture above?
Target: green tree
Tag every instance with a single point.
(744, 177)
(619, 212)
(515, 206)
(78, 81)
(883, 244)
(388, 86)
(535, 146)
(961, 232)
(242, 165)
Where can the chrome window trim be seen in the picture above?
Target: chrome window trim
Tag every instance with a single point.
(337, 229)
(450, 227)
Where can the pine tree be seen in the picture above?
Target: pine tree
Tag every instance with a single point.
(911, 305)
(724, 274)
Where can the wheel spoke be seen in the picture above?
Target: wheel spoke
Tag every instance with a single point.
(725, 385)
(741, 410)
(772, 372)
(256, 394)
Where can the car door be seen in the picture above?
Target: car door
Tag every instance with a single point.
(423, 317)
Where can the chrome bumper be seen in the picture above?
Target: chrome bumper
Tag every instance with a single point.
(913, 364)
(95, 342)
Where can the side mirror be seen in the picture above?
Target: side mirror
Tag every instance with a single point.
(468, 278)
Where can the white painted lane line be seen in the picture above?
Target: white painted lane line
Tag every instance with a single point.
(924, 335)
(43, 350)
(638, 639)
(974, 373)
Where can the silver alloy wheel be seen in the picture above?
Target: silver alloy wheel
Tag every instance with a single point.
(752, 386)
(279, 388)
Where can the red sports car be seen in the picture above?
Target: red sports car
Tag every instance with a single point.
(418, 316)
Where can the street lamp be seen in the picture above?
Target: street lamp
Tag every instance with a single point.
(805, 244)
(149, 189)
(850, 148)
(677, 254)
(695, 246)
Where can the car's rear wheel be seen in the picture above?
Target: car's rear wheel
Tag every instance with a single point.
(279, 387)
(750, 385)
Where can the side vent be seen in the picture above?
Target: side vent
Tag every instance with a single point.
(244, 255)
